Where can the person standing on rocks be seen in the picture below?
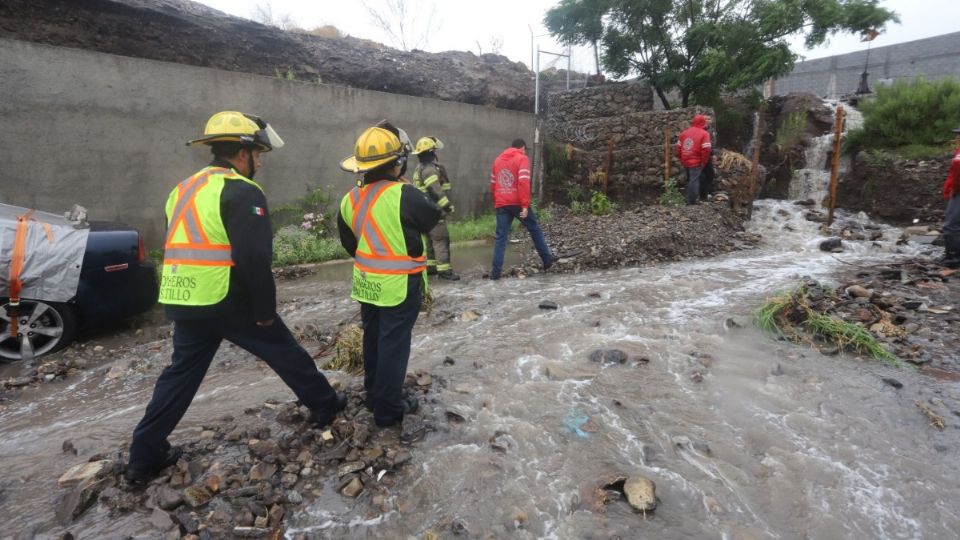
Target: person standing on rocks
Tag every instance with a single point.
(510, 184)
(951, 221)
(381, 224)
(693, 150)
(709, 173)
(431, 178)
(217, 284)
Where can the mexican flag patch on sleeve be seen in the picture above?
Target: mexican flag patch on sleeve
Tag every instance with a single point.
(257, 211)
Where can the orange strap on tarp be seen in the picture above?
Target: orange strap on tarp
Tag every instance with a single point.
(16, 264)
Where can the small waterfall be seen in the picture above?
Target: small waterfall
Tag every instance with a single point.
(813, 181)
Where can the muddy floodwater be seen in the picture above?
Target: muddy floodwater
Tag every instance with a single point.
(745, 436)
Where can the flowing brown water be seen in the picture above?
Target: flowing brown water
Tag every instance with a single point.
(776, 441)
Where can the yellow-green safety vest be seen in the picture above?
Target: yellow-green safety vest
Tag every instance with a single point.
(381, 264)
(196, 255)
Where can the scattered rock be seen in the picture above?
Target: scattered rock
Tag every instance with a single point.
(353, 488)
(548, 304)
(609, 355)
(831, 244)
(641, 493)
(196, 496)
(858, 291)
(83, 471)
(893, 382)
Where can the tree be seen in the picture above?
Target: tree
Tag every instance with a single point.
(701, 48)
(408, 27)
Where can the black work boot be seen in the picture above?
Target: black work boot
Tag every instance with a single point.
(951, 248)
(448, 275)
(137, 476)
(431, 270)
(324, 418)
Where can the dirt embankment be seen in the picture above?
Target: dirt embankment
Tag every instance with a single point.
(188, 33)
(895, 190)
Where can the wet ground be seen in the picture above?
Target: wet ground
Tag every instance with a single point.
(744, 436)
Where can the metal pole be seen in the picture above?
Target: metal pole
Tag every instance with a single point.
(568, 67)
(835, 165)
(755, 171)
(536, 86)
(667, 135)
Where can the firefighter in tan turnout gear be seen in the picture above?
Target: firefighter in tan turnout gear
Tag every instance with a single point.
(431, 178)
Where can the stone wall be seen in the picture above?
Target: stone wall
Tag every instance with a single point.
(636, 155)
(600, 101)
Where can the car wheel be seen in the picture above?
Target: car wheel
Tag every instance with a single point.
(43, 328)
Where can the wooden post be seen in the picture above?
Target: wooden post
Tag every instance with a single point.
(755, 162)
(835, 165)
(667, 162)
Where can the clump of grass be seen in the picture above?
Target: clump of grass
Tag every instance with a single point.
(672, 196)
(476, 228)
(349, 351)
(293, 245)
(792, 316)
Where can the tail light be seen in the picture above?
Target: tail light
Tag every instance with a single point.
(141, 252)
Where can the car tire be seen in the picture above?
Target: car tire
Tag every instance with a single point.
(49, 327)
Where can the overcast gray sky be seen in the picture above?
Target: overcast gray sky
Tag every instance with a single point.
(474, 26)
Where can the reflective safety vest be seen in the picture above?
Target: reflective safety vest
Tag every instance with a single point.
(381, 264)
(427, 175)
(196, 254)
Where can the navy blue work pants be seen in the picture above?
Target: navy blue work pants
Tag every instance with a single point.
(194, 344)
(387, 332)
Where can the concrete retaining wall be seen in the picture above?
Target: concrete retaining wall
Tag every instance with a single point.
(107, 132)
(835, 76)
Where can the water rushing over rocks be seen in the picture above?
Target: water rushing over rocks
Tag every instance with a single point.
(526, 436)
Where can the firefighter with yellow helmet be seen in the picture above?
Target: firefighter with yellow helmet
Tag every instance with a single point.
(431, 178)
(381, 224)
(217, 285)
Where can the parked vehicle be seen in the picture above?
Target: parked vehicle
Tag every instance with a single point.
(116, 280)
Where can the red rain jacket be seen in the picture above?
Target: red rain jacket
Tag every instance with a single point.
(952, 186)
(510, 179)
(693, 146)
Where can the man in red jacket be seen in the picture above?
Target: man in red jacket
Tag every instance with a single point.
(951, 221)
(693, 151)
(510, 183)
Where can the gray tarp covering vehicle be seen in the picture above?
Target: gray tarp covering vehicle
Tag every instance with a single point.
(74, 274)
(53, 254)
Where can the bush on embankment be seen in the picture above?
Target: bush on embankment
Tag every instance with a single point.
(913, 119)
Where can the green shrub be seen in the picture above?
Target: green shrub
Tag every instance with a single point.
(912, 118)
(600, 204)
(671, 195)
(791, 131)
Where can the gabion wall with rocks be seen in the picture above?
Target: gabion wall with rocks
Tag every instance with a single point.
(600, 101)
(636, 170)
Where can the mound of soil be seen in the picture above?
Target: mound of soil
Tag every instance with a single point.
(640, 236)
(188, 33)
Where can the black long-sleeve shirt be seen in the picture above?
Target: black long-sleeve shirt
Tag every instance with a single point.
(418, 215)
(252, 292)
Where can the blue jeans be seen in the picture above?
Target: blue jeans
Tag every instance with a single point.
(505, 217)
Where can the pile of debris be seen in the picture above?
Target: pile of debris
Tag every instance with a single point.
(640, 236)
(243, 476)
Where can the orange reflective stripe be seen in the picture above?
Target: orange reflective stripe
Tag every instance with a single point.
(372, 270)
(197, 262)
(376, 228)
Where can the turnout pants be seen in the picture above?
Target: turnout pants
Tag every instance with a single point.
(387, 332)
(195, 342)
(438, 248)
